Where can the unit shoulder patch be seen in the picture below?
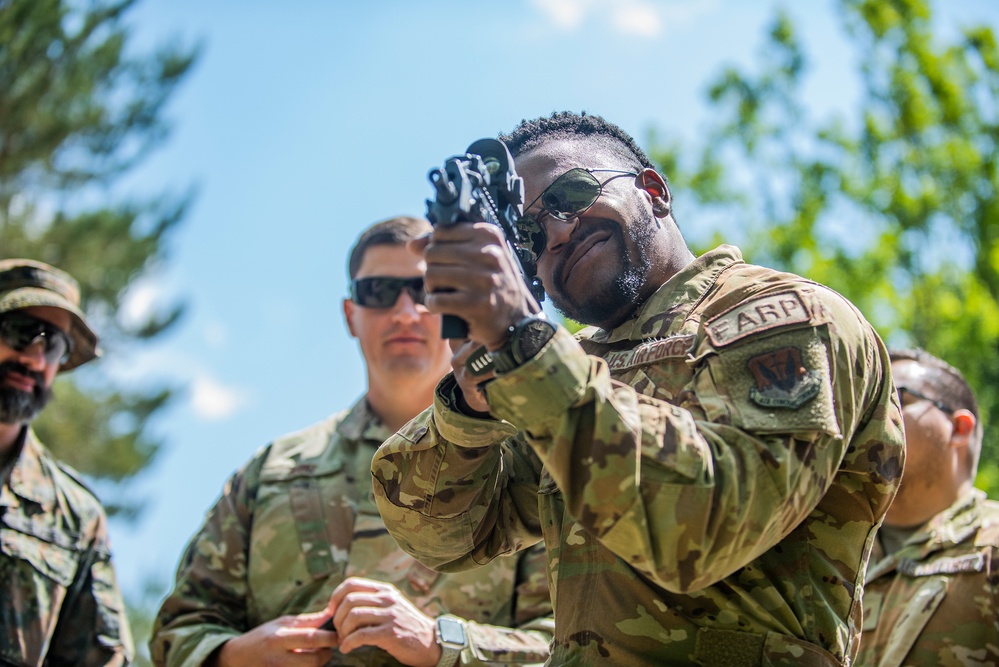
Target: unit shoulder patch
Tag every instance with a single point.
(782, 380)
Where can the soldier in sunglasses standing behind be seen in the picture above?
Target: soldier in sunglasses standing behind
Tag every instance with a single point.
(59, 600)
(932, 592)
(294, 566)
(707, 466)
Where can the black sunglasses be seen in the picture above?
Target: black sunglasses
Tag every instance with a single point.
(939, 405)
(19, 331)
(569, 195)
(383, 291)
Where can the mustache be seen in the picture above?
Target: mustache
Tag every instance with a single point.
(579, 238)
(21, 369)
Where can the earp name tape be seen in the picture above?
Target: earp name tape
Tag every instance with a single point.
(763, 314)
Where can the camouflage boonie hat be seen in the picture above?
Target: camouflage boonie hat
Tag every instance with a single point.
(25, 283)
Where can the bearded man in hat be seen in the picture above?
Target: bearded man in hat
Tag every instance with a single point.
(60, 603)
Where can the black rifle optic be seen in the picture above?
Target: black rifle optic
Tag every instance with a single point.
(482, 186)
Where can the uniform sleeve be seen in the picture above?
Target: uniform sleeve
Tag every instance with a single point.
(208, 605)
(457, 491)
(93, 629)
(527, 642)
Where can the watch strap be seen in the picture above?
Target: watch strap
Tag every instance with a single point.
(449, 656)
(503, 359)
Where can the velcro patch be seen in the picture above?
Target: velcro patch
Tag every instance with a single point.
(726, 391)
(968, 563)
(651, 352)
(763, 314)
(782, 380)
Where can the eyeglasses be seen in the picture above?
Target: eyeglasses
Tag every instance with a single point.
(569, 195)
(383, 291)
(20, 331)
(939, 405)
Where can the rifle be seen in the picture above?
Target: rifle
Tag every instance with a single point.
(483, 186)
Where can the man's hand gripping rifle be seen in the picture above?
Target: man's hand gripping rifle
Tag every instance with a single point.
(483, 186)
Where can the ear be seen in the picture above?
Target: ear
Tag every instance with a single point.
(963, 424)
(348, 315)
(654, 184)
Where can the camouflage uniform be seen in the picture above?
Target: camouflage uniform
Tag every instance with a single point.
(296, 522)
(935, 601)
(713, 474)
(60, 603)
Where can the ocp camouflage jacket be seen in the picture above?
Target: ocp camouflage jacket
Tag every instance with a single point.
(936, 600)
(59, 600)
(296, 521)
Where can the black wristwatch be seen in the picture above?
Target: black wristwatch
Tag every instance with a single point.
(527, 338)
(452, 639)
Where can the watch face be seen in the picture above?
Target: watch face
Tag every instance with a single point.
(451, 631)
(534, 336)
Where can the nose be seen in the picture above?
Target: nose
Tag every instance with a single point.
(558, 232)
(33, 356)
(406, 309)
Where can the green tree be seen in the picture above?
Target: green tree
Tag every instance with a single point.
(895, 206)
(78, 111)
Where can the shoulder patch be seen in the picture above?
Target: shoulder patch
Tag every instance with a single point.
(758, 315)
(782, 380)
(648, 353)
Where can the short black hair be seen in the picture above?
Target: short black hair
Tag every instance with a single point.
(948, 384)
(395, 231)
(570, 125)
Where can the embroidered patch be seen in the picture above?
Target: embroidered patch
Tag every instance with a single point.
(758, 315)
(968, 563)
(651, 352)
(782, 380)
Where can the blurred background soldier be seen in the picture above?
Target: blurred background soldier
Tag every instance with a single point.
(59, 600)
(932, 592)
(297, 531)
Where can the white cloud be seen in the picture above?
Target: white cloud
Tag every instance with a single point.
(644, 18)
(137, 305)
(211, 400)
(566, 14)
(638, 19)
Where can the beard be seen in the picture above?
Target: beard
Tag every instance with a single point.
(17, 406)
(607, 304)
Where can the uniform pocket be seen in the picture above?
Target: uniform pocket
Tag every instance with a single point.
(52, 561)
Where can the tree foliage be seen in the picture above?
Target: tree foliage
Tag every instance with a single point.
(78, 111)
(895, 205)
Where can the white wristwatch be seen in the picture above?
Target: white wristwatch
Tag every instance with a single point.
(452, 639)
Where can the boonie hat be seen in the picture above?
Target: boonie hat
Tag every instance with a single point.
(25, 283)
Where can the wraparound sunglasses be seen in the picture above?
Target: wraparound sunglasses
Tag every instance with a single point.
(568, 196)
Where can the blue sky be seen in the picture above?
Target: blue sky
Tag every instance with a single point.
(305, 121)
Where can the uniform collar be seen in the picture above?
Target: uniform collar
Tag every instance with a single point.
(945, 530)
(657, 317)
(29, 478)
(953, 525)
(363, 424)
